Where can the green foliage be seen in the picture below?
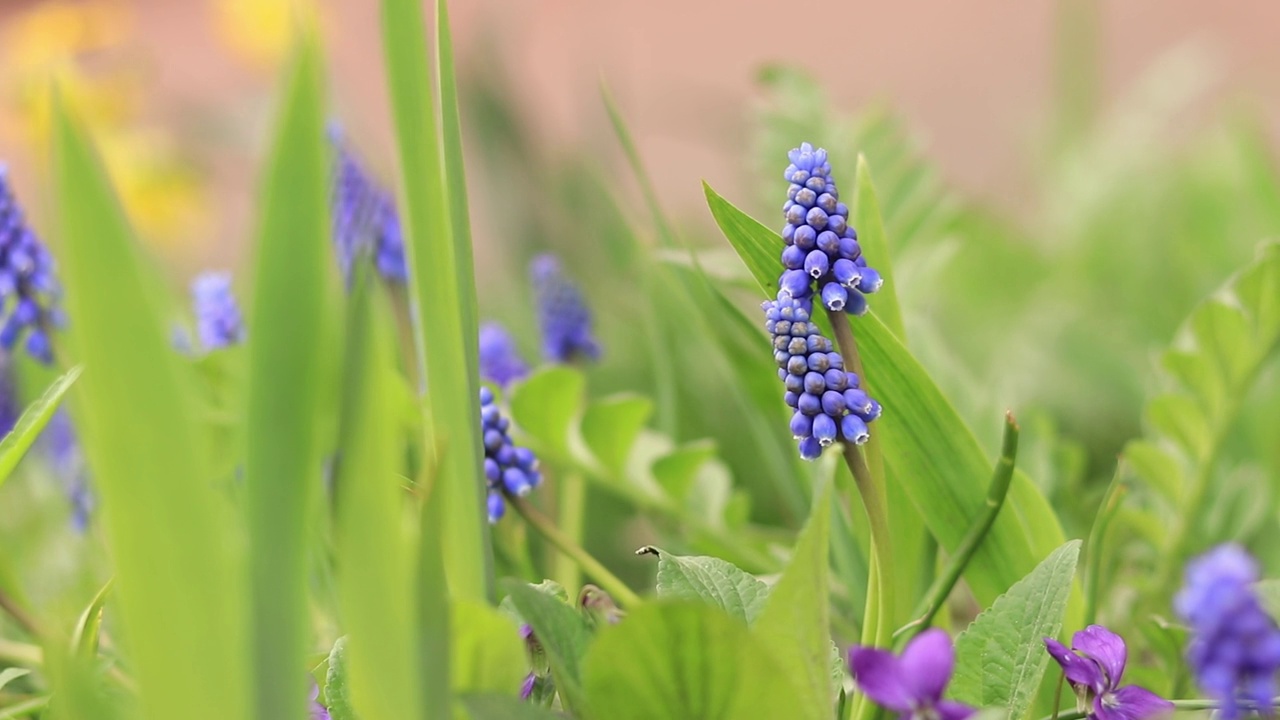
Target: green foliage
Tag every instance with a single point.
(562, 632)
(488, 706)
(16, 444)
(488, 653)
(1000, 658)
(712, 580)
(337, 686)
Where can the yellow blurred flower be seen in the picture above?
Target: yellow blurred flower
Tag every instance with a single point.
(259, 31)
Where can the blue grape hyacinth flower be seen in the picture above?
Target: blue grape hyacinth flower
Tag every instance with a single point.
(1094, 666)
(826, 398)
(1235, 644)
(218, 320)
(910, 684)
(500, 360)
(508, 469)
(563, 314)
(364, 217)
(29, 289)
(822, 249)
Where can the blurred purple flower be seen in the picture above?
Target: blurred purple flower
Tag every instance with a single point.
(1235, 645)
(29, 289)
(218, 321)
(562, 313)
(364, 217)
(500, 360)
(63, 445)
(1094, 666)
(910, 684)
(318, 711)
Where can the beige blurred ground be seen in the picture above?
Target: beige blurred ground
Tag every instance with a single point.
(973, 79)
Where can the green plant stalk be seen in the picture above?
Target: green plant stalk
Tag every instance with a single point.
(940, 590)
(19, 614)
(570, 512)
(1186, 705)
(1094, 556)
(592, 567)
(25, 708)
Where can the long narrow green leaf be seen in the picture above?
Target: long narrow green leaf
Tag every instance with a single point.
(443, 289)
(866, 217)
(16, 444)
(285, 327)
(374, 585)
(928, 449)
(170, 531)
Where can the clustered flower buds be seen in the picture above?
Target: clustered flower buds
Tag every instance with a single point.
(218, 321)
(500, 361)
(507, 468)
(822, 248)
(826, 398)
(562, 313)
(29, 289)
(364, 217)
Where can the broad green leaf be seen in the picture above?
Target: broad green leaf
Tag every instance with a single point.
(84, 638)
(711, 580)
(488, 652)
(1182, 419)
(610, 427)
(864, 215)
(1000, 658)
(337, 683)
(170, 532)
(34, 418)
(488, 706)
(286, 321)
(795, 620)
(8, 675)
(545, 404)
(686, 660)
(562, 632)
(677, 471)
(442, 280)
(373, 545)
(1156, 466)
(928, 449)
(1269, 593)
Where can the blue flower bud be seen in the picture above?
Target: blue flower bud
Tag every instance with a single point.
(836, 379)
(814, 384)
(827, 202)
(801, 425)
(819, 362)
(871, 281)
(793, 257)
(516, 482)
(849, 247)
(857, 400)
(794, 283)
(871, 412)
(846, 273)
(27, 272)
(806, 197)
(792, 399)
(365, 221)
(834, 296)
(824, 429)
(500, 360)
(816, 264)
(810, 404)
(805, 238)
(833, 403)
(563, 314)
(810, 449)
(507, 468)
(837, 224)
(796, 214)
(798, 365)
(794, 383)
(857, 303)
(816, 218)
(497, 508)
(854, 430)
(829, 243)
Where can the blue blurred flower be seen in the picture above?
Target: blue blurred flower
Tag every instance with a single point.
(67, 458)
(29, 289)
(1235, 645)
(827, 401)
(507, 468)
(10, 408)
(910, 684)
(562, 313)
(218, 321)
(822, 248)
(317, 711)
(500, 360)
(1094, 665)
(364, 217)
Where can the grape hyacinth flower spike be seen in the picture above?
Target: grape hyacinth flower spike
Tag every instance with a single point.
(218, 320)
(827, 401)
(910, 684)
(364, 217)
(508, 469)
(500, 361)
(29, 289)
(1094, 666)
(563, 314)
(1235, 644)
(822, 249)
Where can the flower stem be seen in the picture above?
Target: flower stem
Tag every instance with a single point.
(592, 567)
(1001, 479)
(570, 509)
(1093, 549)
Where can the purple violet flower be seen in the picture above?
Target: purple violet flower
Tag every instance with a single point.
(317, 711)
(507, 468)
(562, 313)
(218, 321)
(364, 217)
(827, 401)
(500, 360)
(822, 248)
(1235, 645)
(910, 684)
(1094, 666)
(29, 289)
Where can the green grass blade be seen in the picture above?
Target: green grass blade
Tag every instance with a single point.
(443, 291)
(168, 527)
(374, 587)
(285, 328)
(16, 444)
(866, 217)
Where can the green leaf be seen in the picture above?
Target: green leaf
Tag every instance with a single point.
(865, 216)
(610, 427)
(84, 638)
(171, 533)
(928, 449)
(488, 653)
(337, 686)
(711, 580)
(562, 632)
(1000, 658)
(677, 471)
(34, 418)
(1269, 593)
(681, 661)
(442, 280)
(488, 706)
(795, 619)
(373, 549)
(282, 459)
(8, 675)
(545, 404)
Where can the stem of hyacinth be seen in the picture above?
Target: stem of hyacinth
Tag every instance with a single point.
(940, 590)
(592, 567)
(570, 511)
(1094, 545)
(1186, 705)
